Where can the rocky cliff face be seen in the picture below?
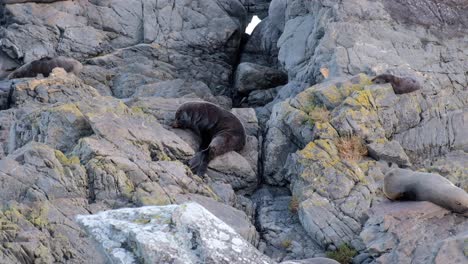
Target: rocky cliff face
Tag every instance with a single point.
(320, 135)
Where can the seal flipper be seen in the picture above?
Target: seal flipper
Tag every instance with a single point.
(199, 163)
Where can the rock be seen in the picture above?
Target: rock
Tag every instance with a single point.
(185, 233)
(453, 167)
(390, 152)
(60, 87)
(261, 46)
(418, 232)
(333, 194)
(43, 190)
(436, 136)
(175, 89)
(283, 237)
(256, 7)
(5, 92)
(163, 46)
(312, 261)
(262, 97)
(250, 77)
(28, 1)
(236, 219)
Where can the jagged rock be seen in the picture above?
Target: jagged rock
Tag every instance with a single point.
(194, 41)
(60, 87)
(262, 97)
(389, 151)
(261, 46)
(236, 219)
(5, 92)
(42, 190)
(28, 1)
(6, 121)
(453, 167)
(283, 237)
(185, 233)
(256, 7)
(291, 127)
(437, 136)
(417, 232)
(333, 194)
(250, 77)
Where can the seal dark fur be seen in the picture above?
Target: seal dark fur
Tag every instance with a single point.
(219, 130)
(45, 66)
(400, 184)
(401, 85)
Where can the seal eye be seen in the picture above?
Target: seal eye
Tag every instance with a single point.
(457, 203)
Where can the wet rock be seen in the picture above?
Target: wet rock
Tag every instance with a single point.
(186, 233)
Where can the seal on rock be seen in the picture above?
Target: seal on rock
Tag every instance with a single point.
(401, 85)
(45, 66)
(220, 131)
(401, 184)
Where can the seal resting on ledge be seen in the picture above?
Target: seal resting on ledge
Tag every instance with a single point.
(45, 66)
(401, 85)
(220, 131)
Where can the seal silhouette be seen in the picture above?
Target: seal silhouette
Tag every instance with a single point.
(401, 184)
(220, 131)
(401, 85)
(45, 66)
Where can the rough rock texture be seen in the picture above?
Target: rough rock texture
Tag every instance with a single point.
(148, 41)
(250, 77)
(283, 237)
(186, 233)
(312, 261)
(414, 232)
(69, 145)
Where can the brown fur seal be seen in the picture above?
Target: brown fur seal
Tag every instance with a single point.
(401, 85)
(220, 131)
(400, 184)
(45, 66)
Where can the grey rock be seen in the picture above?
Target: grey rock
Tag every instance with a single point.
(282, 234)
(389, 151)
(452, 166)
(236, 219)
(418, 232)
(262, 97)
(312, 261)
(261, 47)
(250, 77)
(59, 87)
(43, 190)
(186, 233)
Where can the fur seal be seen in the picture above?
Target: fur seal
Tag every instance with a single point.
(45, 66)
(220, 131)
(400, 184)
(401, 85)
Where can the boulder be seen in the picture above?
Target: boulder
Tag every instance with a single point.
(250, 77)
(185, 233)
